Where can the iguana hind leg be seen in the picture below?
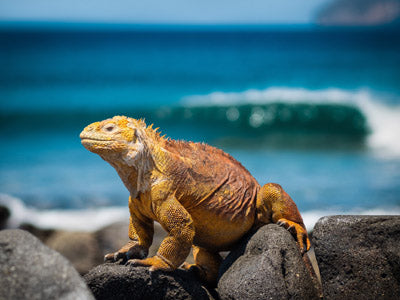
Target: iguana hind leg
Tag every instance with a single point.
(275, 205)
(206, 265)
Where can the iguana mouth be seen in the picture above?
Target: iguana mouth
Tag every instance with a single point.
(90, 142)
(94, 139)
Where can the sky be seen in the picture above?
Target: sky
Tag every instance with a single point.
(162, 11)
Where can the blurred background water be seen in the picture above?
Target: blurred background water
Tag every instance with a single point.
(316, 109)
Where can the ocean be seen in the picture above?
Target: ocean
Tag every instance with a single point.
(314, 109)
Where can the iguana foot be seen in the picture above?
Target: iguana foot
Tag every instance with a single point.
(206, 265)
(298, 232)
(200, 273)
(155, 263)
(129, 251)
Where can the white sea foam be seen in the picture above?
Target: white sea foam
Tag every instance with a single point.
(383, 119)
(311, 217)
(384, 122)
(79, 220)
(94, 219)
(275, 94)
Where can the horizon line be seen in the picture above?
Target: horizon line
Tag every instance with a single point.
(101, 25)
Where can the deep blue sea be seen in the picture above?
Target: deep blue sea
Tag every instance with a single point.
(314, 109)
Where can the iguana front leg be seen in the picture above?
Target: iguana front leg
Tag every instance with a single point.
(176, 246)
(275, 205)
(141, 232)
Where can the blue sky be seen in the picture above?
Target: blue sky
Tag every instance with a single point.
(162, 11)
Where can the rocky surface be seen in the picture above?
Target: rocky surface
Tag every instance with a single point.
(267, 265)
(41, 234)
(85, 250)
(30, 270)
(359, 256)
(110, 238)
(113, 237)
(114, 281)
(80, 248)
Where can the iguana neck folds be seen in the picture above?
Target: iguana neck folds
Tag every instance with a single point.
(138, 166)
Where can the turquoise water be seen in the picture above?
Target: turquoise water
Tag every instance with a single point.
(316, 110)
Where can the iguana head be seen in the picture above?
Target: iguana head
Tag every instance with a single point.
(117, 139)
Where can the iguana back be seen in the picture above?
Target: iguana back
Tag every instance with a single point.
(212, 179)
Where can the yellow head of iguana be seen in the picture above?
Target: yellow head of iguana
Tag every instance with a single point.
(116, 139)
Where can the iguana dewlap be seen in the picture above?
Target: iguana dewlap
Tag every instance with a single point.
(200, 195)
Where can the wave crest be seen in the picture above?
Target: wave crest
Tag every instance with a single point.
(329, 110)
(277, 94)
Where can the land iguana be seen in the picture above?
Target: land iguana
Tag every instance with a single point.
(200, 195)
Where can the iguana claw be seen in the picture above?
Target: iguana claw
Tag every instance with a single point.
(298, 232)
(155, 263)
(131, 250)
(114, 257)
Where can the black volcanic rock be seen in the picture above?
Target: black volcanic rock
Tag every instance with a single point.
(113, 281)
(359, 256)
(268, 265)
(4, 215)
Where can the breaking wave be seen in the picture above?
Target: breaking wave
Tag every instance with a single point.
(277, 116)
(329, 111)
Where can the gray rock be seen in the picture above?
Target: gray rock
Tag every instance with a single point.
(112, 237)
(267, 265)
(359, 256)
(30, 270)
(80, 248)
(42, 234)
(85, 250)
(114, 281)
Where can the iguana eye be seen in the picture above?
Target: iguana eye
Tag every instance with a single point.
(109, 127)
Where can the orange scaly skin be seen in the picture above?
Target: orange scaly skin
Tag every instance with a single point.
(201, 196)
